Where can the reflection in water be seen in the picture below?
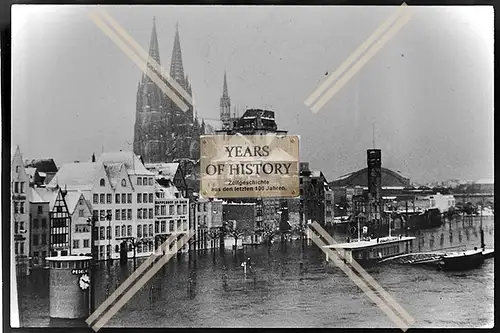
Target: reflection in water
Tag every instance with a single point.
(286, 285)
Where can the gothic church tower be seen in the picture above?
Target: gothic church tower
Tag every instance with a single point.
(225, 105)
(163, 132)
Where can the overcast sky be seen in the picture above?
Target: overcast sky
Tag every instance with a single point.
(429, 90)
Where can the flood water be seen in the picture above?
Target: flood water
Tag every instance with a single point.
(212, 290)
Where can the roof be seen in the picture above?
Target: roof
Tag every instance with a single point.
(75, 176)
(131, 161)
(48, 195)
(30, 172)
(170, 191)
(163, 170)
(211, 125)
(485, 181)
(72, 199)
(113, 171)
(43, 165)
(34, 197)
(369, 243)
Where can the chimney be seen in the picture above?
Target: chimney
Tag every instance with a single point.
(93, 157)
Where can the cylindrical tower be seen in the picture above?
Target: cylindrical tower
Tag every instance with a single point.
(69, 286)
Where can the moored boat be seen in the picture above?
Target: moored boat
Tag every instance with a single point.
(465, 260)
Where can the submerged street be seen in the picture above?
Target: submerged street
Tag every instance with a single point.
(279, 291)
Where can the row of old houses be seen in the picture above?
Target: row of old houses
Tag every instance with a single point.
(116, 200)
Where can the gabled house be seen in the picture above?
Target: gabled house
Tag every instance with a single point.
(39, 228)
(81, 212)
(20, 206)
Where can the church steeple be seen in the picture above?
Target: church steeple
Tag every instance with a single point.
(176, 68)
(225, 104)
(154, 51)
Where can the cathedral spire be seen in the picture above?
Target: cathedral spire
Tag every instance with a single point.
(224, 87)
(225, 104)
(176, 68)
(154, 51)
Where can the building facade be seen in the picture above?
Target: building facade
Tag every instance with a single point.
(40, 232)
(19, 187)
(80, 211)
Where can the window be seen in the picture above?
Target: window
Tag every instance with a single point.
(129, 198)
(117, 214)
(124, 198)
(124, 183)
(108, 214)
(179, 209)
(16, 207)
(163, 210)
(150, 197)
(21, 225)
(101, 233)
(171, 225)
(205, 208)
(150, 230)
(117, 231)
(108, 232)
(139, 198)
(101, 198)
(139, 230)
(17, 168)
(35, 223)
(117, 198)
(171, 210)
(35, 239)
(151, 181)
(86, 242)
(184, 209)
(21, 248)
(150, 213)
(145, 197)
(109, 198)
(163, 225)
(129, 214)
(129, 230)
(145, 230)
(157, 210)
(80, 213)
(145, 181)
(21, 207)
(22, 187)
(16, 187)
(124, 214)
(139, 181)
(139, 214)
(157, 226)
(205, 219)
(76, 243)
(17, 248)
(102, 215)
(179, 224)
(40, 209)
(102, 182)
(44, 239)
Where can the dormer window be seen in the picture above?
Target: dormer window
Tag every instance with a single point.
(124, 183)
(102, 183)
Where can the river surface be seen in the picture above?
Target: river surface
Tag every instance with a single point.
(212, 290)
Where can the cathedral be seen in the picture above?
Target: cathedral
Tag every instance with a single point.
(163, 131)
